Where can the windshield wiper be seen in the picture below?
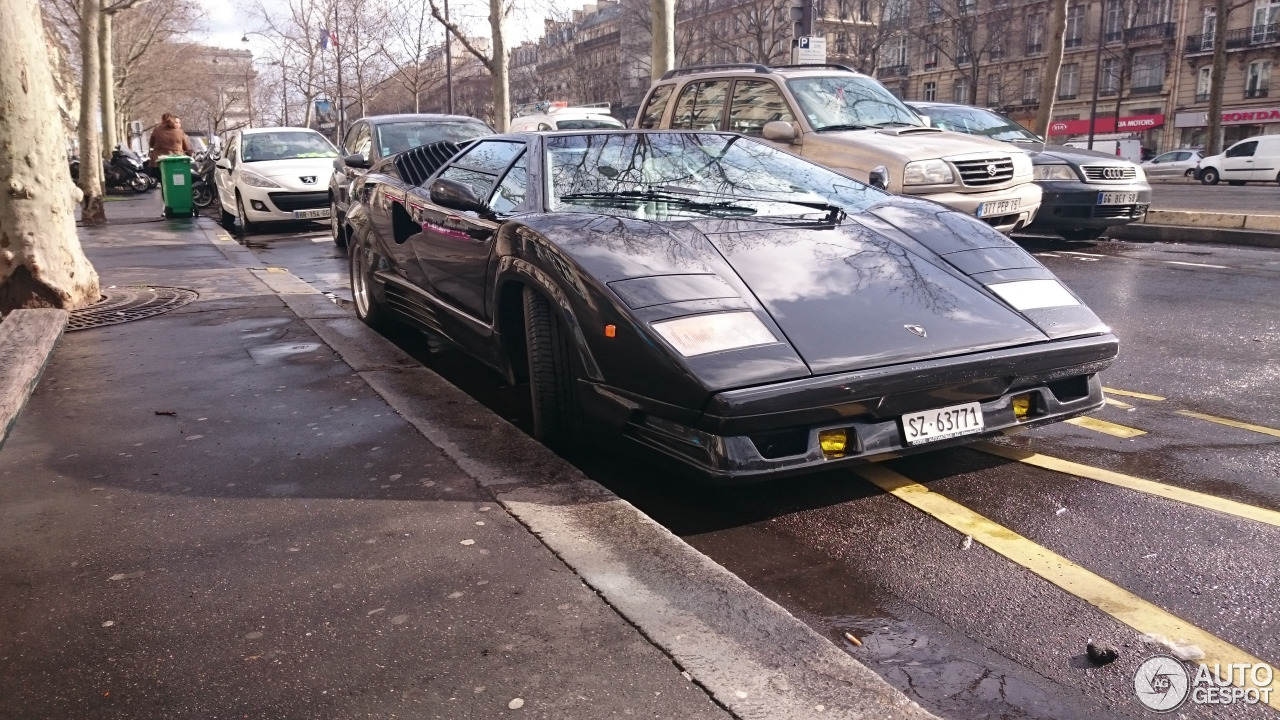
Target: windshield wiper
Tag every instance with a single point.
(842, 127)
(835, 213)
(895, 123)
(634, 197)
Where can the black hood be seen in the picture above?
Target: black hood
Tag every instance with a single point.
(1054, 154)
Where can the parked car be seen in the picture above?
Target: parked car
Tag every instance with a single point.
(733, 307)
(560, 116)
(1085, 192)
(273, 175)
(1175, 163)
(850, 123)
(1255, 159)
(373, 138)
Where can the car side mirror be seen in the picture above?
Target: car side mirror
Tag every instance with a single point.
(779, 131)
(879, 177)
(355, 160)
(928, 122)
(224, 164)
(456, 196)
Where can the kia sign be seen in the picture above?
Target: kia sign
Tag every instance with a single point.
(1133, 123)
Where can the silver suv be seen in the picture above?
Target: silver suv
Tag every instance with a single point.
(853, 125)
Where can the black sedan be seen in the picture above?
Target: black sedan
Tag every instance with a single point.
(1085, 192)
(741, 310)
(371, 139)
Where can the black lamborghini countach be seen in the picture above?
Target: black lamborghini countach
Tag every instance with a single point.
(734, 307)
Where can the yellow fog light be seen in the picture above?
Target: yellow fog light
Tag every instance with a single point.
(1021, 406)
(833, 442)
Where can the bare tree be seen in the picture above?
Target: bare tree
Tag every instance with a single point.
(968, 34)
(1052, 65)
(296, 32)
(411, 39)
(497, 61)
(42, 264)
(92, 211)
(1218, 76)
(663, 32)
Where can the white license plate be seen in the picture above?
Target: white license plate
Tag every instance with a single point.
(942, 423)
(1117, 198)
(310, 214)
(998, 207)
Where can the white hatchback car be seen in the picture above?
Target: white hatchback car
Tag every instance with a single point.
(274, 175)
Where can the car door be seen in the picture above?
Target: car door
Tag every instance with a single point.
(754, 103)
(357, 142)
(700, 105)
(222, 173)
(1237, 162)
(454, 246)
(1163, 165)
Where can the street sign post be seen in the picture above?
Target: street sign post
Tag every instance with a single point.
(809, 51)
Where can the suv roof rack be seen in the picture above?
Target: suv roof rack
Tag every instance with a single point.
(833, 66)
(754, 67)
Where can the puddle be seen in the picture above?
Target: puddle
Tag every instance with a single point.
(267, 354)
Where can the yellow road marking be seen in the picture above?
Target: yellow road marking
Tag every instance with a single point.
(1103, 594)
(1232, 423)
(1130, 393)
(1116, 403)
(1102, 426)
(1151, 487)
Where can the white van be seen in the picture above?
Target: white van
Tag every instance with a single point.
(1255, 159)
(562, 116)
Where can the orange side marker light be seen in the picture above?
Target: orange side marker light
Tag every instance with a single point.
(610, 331)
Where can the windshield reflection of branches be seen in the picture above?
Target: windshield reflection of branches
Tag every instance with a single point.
(712, 165)
(840, 100)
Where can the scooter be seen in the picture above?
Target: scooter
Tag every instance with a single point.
(204, 192)
(123, 170)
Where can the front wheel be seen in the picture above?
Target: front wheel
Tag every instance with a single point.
(202, 196)
(363, 263)
(242, 217)
(139, 183)
(557, 416)
(1191, 172)
(1209, 176)
(336, 231)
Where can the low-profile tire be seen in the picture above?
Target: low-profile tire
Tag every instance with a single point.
(336, 230)
(242, 217)
(1209, 176)
(1235, 183)
(364, 296)
(557, 415)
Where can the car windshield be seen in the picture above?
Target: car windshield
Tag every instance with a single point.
(976, 121)
(589, 123)
(401, 136)
(261, 147)
(848, 102)
(670, 176)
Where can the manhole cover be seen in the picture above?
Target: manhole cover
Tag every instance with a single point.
(119, 305)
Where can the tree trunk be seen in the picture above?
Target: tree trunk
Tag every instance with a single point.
(1052, 66)
(92, 212)
(499, 64)
(663, 31)
(108, 85)
(1217, 78)
(41, 262)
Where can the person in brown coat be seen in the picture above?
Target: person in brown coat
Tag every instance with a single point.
(168, 139)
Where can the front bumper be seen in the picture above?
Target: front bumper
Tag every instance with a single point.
(1027, 194)
(1071, 205)
(771, 431)
(281, 205)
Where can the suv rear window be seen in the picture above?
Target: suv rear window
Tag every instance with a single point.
(651, 118)
(701, 105)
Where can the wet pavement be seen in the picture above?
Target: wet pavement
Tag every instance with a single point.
(960, 628)
(1193, 196)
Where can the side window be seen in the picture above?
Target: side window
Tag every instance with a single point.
(510, 192)
(349, 142)
(756, 102)
(1179, 157)
(363, 141)
(490, 157)
(1243, 149)
(700, 106)
(651, 118)
(479, 182)
(542, 127)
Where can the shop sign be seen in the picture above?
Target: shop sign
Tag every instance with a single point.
(1245, 116)
(1133, 123)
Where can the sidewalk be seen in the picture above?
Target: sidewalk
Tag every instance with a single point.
(253, 506)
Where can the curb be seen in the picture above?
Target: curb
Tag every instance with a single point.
(27, 339)
(751, 655)
(1151, 232)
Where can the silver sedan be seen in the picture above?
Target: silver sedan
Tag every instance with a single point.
(1175, 163)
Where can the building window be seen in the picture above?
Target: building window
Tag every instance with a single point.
(1257, 79)
(1113, 21)
(1109, 77)
(1208, 27)
(1035, 33)
(967, 6)
(1069, 81)
(1148, 74)
(864, 10)
(842, 43)
(1075, 26)
(931, 52)
(993, 89)
(962, 47)
(1030, 87)
(1204, 83)
(996, 48)
(960, 91)
(935, 10)
(897, 50)
(1266, 20)
(930, 91)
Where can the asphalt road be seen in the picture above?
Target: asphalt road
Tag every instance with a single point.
(989, 629)
(1255, 197)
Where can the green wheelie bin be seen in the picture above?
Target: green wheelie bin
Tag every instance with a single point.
(175, 186)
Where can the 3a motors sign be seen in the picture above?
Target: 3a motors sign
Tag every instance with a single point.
(1133, 123)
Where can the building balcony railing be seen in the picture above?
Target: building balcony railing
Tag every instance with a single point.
(1146, 90)
(1255, 93)
(1145, 33)
(1202, 97)
(893, 71)
(1113, 36)
(1034, 48)
(1031, 101)
(1066, 96)
(1073, 42)
(1236, 39)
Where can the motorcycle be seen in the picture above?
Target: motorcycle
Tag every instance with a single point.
(132, 160)
(204, 192)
